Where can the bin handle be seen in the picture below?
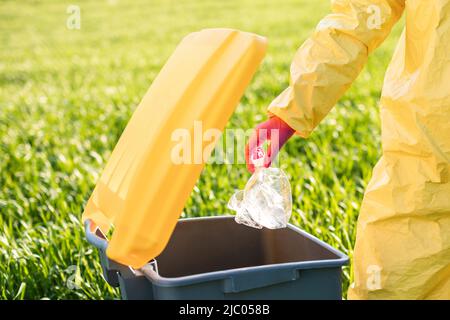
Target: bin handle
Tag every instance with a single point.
(111, 269)
(96, 237)
(255, 280)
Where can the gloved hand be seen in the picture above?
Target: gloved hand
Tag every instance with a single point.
(276, 132)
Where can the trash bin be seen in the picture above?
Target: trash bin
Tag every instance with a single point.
(144, 188)
(216, 258)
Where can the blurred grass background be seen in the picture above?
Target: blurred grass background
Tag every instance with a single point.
(66, 95)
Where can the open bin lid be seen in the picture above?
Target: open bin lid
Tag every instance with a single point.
(143, 189)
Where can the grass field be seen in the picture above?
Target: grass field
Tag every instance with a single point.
(66, 95)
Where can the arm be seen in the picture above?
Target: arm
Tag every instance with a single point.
(329, 61)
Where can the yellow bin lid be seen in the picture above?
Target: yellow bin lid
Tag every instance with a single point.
(143, 189)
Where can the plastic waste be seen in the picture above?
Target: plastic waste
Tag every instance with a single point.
(266, 200)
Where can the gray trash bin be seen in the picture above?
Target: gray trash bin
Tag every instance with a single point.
(216, 258)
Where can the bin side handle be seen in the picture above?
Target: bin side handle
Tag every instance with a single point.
(260, 279)
(96, 238)
(111, 269)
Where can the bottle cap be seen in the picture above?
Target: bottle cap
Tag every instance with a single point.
(257, 157)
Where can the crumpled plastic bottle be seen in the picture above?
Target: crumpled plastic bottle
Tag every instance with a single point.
(266, 200)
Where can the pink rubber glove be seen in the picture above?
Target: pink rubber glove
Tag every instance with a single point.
(276, 132)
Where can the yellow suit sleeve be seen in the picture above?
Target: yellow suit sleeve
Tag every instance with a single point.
(329, 61)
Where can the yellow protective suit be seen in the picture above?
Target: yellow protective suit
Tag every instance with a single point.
(403, 237)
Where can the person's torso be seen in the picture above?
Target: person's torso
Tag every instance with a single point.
(415, 103)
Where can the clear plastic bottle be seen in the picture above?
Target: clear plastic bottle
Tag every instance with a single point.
(266, 200)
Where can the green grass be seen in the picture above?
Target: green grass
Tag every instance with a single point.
(66, 95)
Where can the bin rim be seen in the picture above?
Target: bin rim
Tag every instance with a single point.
(341, 260)
(150, 273)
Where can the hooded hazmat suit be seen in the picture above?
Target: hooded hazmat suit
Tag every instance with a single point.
(403, 237)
